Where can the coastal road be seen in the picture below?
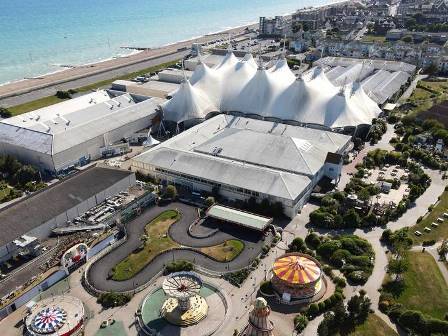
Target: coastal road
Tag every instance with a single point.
(98, 274)
(80, 82)
(46, 85)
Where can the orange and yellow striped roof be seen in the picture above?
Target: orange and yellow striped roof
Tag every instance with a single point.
(296, 269)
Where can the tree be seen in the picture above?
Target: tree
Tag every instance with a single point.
(443, 250)
(171, 191)
(25, 174)
(351, 218)
(398, 266)
(358, 308)
(297, 245)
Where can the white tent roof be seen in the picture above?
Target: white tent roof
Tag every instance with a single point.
(244, 87)
(187, 103)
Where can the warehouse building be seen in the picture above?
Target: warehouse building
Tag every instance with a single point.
(241, 157)
(72, 133)
(36, 215)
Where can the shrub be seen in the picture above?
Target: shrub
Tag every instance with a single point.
(313, 310)
(340, 282)
(178, 266)
(327, 248)
(111, 299)
(321, 306)
(209, 201)
(357, 277)
(300, 322)
(62, 94)
(340, 256)
(428, 242)
(312, 240)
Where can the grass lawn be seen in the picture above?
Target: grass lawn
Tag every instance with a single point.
(373, 38)
(424, 286)
(438, 233)
(47, 101)
(34, 105)
(226, 251)
(159, 241)
(374, 326)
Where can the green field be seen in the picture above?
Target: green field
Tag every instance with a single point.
(34, 105)
(47, 101)
(424, 286)
(428, 93)
(374, 326)
(373, 38)
(159, 241)
(439, 233)
(226, 251)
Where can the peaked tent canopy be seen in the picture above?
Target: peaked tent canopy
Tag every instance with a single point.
(245, 87)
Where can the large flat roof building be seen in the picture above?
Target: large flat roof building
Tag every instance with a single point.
(67, 134)
(245, 157)
(54, 206)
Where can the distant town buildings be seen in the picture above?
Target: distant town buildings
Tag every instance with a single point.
(272, 27)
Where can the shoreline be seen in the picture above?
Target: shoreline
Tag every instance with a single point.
(64, 75)
(84, 71)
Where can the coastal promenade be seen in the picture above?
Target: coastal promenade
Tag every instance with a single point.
(46, 85)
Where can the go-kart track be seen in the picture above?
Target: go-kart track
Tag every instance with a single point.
(98, 274)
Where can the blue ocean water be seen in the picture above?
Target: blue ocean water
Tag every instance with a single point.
(38, 35)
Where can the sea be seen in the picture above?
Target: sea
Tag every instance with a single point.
(40, 36)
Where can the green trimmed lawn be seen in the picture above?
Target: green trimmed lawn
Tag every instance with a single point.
(47, 101)
(439, 233)
(374, 326)
(373, 38)
(226, 251)
(159, 241)
(34, 105)
(424, 286)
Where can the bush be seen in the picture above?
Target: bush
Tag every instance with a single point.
(178, 266)
(111, 299)
(312, 240)
(170, 192)
(358, 277)
(428, 242)
(209, 201)
(238, 277)
(300, 322)
(62, 94)
(340, 282)
(313, 310)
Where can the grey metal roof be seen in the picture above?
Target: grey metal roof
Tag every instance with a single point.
(263, 156)
(28, 214)
(57, 130)
(239, 217)
(379, 79)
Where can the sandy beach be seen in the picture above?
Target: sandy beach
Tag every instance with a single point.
(91, 70)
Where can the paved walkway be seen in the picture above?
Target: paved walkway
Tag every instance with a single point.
(99, 272)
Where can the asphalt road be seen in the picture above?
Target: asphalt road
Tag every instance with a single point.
(98, 273)
(51, 90)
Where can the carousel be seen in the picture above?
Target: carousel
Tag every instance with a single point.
(60, 315)
(297, 276)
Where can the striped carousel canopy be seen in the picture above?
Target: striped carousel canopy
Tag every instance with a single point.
(296, 269)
